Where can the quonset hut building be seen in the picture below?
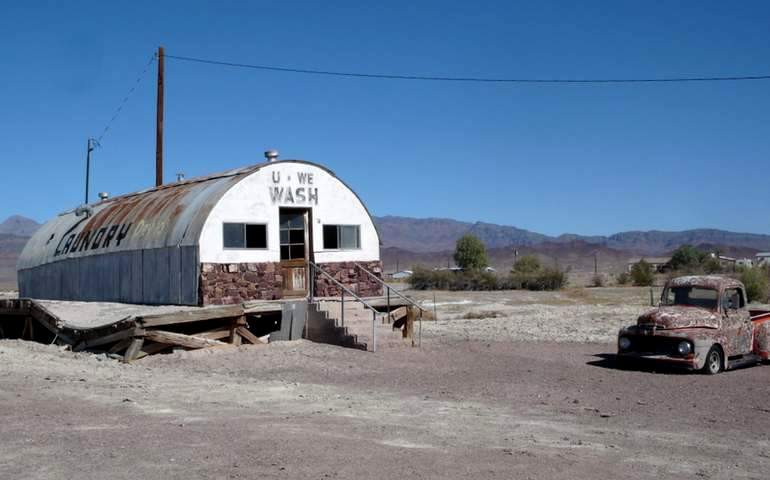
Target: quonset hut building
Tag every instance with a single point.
(246, 234)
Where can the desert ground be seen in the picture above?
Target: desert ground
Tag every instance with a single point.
(505, 385)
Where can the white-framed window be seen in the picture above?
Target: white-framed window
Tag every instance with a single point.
(342, 237)
(244, 235)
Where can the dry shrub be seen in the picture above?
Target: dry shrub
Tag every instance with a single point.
(479, 314)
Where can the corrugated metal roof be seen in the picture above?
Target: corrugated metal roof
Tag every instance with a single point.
(167, 216)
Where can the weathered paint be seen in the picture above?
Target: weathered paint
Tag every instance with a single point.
(258, 197)
(147, 247)
(736, 332)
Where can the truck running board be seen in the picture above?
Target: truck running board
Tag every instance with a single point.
(748, 359)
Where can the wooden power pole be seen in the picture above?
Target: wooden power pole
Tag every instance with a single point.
(159, 124)
(89, 149)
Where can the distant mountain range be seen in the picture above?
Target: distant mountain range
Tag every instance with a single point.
(431, 241)
(19, 226)
(14, 233)
(439, 234)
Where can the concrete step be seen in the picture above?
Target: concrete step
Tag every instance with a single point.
(357, 322)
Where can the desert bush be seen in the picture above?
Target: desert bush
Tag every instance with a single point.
(549, 279)
(478, 314)
(424, 279)
(711, 265)
(623, 278)
(470, 253)
(642, 274)
(526, 264)
(755, 279)
(476, 280)
(597, 280)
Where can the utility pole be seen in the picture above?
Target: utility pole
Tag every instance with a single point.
(596, 264)
(89, 149)
(159, 123)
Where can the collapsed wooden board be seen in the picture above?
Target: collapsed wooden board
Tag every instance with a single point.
(149, 330)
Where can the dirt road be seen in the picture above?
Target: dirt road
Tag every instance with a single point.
(455, 409)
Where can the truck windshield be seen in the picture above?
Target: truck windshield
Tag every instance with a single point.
(691, 296)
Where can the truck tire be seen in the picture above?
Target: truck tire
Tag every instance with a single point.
(714, 361)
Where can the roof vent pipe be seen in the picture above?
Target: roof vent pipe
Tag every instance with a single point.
(103, 196)
(271, 155)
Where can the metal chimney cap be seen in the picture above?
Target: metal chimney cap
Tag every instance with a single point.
(271, 155)
(104, 195)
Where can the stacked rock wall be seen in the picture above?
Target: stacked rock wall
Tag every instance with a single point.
(352, 277)
(233, 283)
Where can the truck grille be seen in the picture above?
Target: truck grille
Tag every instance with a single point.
(654, 345)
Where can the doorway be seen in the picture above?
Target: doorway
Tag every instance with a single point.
(294, 226)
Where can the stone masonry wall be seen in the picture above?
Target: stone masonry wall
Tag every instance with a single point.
(233, 283)
(352, 277)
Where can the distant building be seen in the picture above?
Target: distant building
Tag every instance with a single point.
(659, 264)
(762, 258)
(726, 262)
(401, 275)
(744, 262)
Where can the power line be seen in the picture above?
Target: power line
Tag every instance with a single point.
(125, 99)
(472, 79)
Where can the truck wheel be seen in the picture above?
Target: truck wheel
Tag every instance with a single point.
(713, 361)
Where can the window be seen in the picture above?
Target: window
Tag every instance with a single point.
(292, 231)
(691, 297)
(244, 235)
(733, 299)
(342, 237)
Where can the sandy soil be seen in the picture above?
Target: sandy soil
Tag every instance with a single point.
(572, 315)
(465, 405)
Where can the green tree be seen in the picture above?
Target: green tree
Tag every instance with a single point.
(642, 274)
(755, 279)
(526, 264)
(687, 257)
(470, 253)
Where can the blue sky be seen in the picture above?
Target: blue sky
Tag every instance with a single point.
(549, 158)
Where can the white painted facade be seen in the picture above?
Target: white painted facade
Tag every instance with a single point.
(257, 198)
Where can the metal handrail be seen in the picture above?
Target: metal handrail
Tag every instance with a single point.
(342, 299)
(384, 284)
(389, 288)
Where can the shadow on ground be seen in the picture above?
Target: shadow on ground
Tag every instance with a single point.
(610, 361)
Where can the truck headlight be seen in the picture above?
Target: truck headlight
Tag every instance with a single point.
(624, 343)
(684, 348)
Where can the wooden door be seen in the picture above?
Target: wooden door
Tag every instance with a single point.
(295, 248)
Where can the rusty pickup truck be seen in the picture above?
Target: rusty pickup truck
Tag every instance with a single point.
(701, 323)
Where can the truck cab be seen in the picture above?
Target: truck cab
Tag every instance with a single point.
(701, 323)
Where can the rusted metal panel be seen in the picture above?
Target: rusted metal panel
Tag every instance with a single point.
(190, 276)
(170, 215)
(109, 251)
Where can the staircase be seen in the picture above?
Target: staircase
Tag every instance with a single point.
(327, 324)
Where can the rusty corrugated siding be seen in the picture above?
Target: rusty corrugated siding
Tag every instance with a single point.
(135, 248)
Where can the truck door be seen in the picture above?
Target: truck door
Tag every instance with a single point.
(736, 322)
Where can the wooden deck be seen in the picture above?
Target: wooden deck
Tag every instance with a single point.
(133, 331)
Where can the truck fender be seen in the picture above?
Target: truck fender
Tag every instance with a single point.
(701, 349)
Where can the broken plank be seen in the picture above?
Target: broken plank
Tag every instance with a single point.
(397, 314)
(214, 334)
(112, 337)
(151, 349)
(245, 333)
(133, 349)
(186, 316)
(173, 338)
(121, 345)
